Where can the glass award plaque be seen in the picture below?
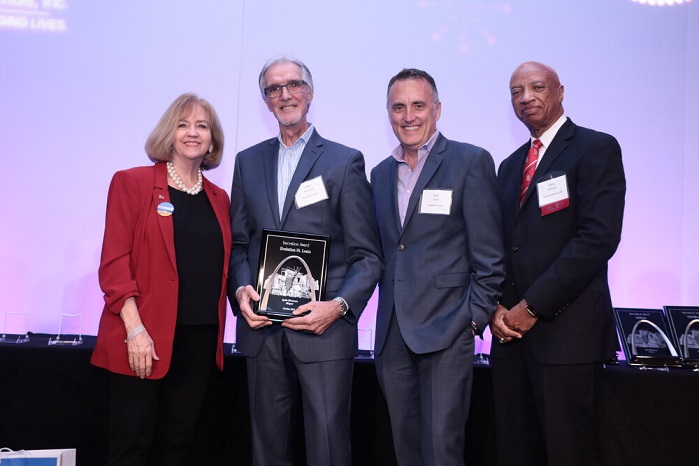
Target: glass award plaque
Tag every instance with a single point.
(293, 270)
(14, 328)
(646, 337)
(482, 359)
(684, 322)
(69, 331)
(482, 346)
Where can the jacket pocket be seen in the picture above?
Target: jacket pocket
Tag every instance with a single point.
(450, 280)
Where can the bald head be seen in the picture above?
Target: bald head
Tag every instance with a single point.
(536, 66)
(537, 96)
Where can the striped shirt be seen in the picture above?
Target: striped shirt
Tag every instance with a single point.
(286, 164)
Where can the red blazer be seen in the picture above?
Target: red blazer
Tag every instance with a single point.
(138, 259)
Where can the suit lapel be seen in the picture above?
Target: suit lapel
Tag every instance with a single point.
(393, 194)
(162, 194)
(269, 159)
(223, 219)
(558, 145)
(434, 160)
(313, 150)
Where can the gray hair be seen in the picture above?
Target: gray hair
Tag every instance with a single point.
(305, 72)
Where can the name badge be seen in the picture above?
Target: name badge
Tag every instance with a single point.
(435, 201)
(310, 192)
(553, 194)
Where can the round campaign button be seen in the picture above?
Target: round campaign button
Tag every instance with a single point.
(165, 209)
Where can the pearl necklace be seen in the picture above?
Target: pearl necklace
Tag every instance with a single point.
(194, 190)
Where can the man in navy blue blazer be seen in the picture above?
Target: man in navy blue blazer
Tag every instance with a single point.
(314, 351)
(437, 206)
(555, 326)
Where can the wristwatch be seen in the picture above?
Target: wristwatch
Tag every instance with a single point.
(343, 305)
(531, 311)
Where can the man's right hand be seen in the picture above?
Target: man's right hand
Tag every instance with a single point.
(243, 296)
(501, 332)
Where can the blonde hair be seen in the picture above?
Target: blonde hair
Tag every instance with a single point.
(159, 143)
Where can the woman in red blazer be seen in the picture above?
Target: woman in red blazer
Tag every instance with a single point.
(163, 270)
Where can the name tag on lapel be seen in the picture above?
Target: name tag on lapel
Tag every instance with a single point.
(310, 192)
(435, 201)
(553, 194)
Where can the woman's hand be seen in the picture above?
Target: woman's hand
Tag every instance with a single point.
(140, 346)
(142, 353)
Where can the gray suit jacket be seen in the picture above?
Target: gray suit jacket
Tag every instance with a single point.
(346, 216)
(442, 271)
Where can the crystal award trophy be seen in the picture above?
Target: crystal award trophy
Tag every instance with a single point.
(365, 338)
(14, 329)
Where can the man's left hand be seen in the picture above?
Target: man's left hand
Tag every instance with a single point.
(518, 319)
(321, 315)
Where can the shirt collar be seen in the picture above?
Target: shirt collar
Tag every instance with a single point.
(302, 140)
(424, 150)
(550, 133)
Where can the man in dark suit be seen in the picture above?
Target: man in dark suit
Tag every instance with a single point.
(315, 351)
(563, 201)
(437, 206)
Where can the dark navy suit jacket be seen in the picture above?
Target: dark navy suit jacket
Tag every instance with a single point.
(558, 262)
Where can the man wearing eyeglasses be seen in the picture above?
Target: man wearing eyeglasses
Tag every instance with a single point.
(315, 350)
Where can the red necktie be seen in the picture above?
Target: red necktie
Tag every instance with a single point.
(529, 169)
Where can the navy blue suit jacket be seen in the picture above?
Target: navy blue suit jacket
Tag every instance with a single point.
(442, 271)
(558, 262)
(346, 216)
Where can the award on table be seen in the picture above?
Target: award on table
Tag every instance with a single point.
(293, 271)
(14, 329)
(684, 322)
(646, 337)
(70, 331)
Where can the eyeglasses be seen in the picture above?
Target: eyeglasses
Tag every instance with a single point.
(275, 90)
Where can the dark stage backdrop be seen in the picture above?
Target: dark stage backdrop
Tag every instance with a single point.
(58, 400)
